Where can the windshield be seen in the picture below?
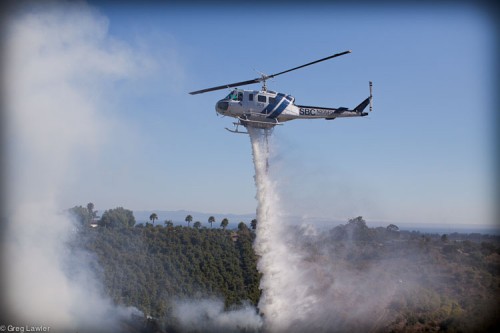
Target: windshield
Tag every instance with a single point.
(233, 95)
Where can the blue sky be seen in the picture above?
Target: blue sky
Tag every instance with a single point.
(424, 155)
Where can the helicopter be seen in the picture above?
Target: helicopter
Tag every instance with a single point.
(266, 109)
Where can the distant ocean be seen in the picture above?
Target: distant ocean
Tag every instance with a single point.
(448, 229)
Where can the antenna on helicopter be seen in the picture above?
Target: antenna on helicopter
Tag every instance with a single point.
(264, 77)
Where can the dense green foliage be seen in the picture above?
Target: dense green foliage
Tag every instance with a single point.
(119, 218)
(447, 283)
(148, 266)
(83, 215)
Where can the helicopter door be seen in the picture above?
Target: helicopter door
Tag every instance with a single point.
(261, 102)
(249, 101)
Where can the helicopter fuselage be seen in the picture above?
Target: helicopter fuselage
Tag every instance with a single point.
(265, 108)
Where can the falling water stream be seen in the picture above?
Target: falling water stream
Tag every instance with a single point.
(284, 299)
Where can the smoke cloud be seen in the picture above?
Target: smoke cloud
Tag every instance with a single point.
(57, 57)
(209, 316)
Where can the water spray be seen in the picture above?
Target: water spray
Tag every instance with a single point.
(284, 299)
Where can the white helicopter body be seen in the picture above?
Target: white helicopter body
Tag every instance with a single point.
(265, 108)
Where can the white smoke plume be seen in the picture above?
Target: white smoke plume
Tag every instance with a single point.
(208, 315)
(307, 286)
(56, 58)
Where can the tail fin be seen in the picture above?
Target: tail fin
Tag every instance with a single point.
(362, 105)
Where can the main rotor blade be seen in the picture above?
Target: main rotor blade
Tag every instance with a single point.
(264, 77)
(311, 63)
(242, 83)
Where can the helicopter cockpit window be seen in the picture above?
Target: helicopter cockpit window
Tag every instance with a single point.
(233, 95)
(240, 96)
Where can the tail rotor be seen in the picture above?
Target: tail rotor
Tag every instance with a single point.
(371, 96)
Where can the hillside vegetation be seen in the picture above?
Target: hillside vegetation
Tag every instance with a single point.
(148, 266)
(447, 283)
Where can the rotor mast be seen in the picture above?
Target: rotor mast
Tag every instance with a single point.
(264, 78)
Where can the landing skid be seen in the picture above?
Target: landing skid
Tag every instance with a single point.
(236, 130)
(266, 125)
(236, 126)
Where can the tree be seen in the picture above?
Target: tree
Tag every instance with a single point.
(242, 226)
(189, 219)
(211, 220)
(358, 230)
(81, 214)
(118, 218)
(197, 225)
(90, 208)
(168, 223)
(358, 222)
(392, 228)
(253, 224)
(153, 217)
(224, 223)
(243, 229)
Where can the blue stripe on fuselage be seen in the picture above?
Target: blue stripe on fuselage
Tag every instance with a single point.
(271, 106)
(280, 109)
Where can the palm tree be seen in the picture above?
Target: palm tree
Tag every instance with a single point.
(253, 224)
(91, 212)
(153, 217)
(90, 208)
(211, 220)
(168, 223)
(189, 219)
(224, 223)
(197, 225)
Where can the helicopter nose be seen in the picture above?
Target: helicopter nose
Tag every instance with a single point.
(221, 106)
